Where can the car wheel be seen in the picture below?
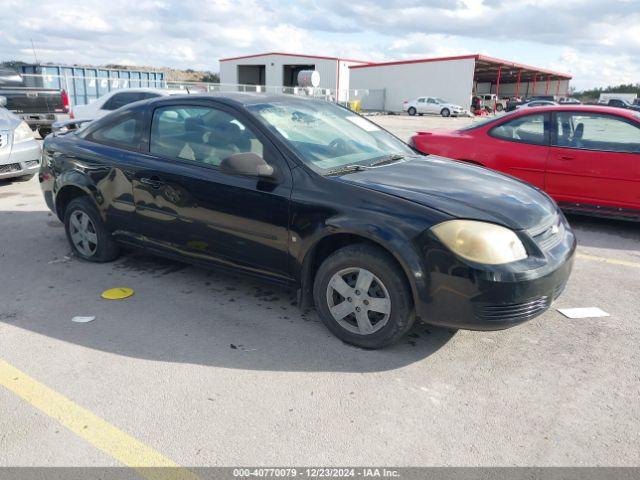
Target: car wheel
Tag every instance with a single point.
(445, 112)
(362, 297)
(411, 111)
(499, 107)
(24, 178)
(87, 233)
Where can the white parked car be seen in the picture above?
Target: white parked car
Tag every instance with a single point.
(536, 103)
(438, 106)
(116, 99)
(19, 150)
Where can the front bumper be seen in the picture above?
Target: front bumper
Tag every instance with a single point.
(461, 296)
(17, 160)
(43, 121)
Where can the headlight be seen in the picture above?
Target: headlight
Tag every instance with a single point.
(480, 242)
(22, 133)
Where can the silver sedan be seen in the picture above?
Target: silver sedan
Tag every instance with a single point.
(19, 150)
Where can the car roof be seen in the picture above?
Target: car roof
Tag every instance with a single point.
(159, 91)
(586, 108)
(237, 98)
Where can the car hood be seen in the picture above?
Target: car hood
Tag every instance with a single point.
(460, 190)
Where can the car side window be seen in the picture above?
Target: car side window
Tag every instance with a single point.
(124, 132)
(525, 129)
(200, 134)
(431, 100)
(421, 100)
(125, 98)
(595, 131)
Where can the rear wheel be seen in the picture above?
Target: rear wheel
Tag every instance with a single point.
(411, 111)
(362, 297)
(499, 107)
(86, 232)
(445, 112)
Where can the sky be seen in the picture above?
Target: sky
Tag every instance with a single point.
(597, 41)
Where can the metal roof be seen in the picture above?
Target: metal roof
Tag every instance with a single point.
(291, 55)
(486, 68)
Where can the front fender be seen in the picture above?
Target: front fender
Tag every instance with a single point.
(389, 237)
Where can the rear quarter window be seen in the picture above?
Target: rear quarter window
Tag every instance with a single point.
(123, 132)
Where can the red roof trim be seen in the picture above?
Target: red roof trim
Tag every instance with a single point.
(416, 60)
(465, 57)
(291, 55)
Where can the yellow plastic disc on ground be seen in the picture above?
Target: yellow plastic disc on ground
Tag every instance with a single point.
(117, 293)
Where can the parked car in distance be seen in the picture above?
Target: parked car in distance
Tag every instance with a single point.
(569, 101)
(491, 102)
(19, 151)
(536, 103)
(615, 102)
(118, 98)
(40, 108)
(433, 105)
(604, 98)
(309, 194)
(586, 157)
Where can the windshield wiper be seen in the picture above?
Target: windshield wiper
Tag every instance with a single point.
(346, 169)
(394, 157)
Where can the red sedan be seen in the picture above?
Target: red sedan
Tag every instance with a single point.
(586, 157)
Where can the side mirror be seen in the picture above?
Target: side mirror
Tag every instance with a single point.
(248, 164)
(3, 101)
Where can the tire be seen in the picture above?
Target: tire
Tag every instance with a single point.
(23, 178)
(412, 111)
(445, 112)
(96, 243)
(499, 107)
(394, 314)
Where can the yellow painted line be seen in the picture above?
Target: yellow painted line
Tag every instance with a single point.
(613, 261)
(88, 426)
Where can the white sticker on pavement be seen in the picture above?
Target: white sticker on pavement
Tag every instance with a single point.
(83, 319)
(588, 312)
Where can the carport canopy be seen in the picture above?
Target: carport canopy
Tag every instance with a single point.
(497, 71)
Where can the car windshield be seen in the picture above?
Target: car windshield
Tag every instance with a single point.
(328, 137)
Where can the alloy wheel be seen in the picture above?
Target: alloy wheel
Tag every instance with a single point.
(358, 301)
(83, 233)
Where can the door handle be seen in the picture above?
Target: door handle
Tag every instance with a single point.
(566, 157)
(152, 182)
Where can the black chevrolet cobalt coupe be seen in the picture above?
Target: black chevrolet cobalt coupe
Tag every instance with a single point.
(311, 195)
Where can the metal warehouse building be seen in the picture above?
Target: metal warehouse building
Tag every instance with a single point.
(454, 79)
(281, 69)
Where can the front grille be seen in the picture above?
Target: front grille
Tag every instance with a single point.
(513, 312)
(4, 139)
(11, 167)
(548, 235)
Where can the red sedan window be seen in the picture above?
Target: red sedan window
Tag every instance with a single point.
(595, 131)
(526, 129)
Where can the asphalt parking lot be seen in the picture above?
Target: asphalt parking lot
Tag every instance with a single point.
(201, 368)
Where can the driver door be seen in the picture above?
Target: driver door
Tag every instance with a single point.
(185, 204)
(432, 106)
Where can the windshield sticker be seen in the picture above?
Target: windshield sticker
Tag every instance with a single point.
(366, 125)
